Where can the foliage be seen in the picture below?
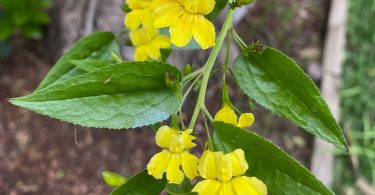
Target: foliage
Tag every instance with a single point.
(91, 85)
(23, 16)
(357, 95)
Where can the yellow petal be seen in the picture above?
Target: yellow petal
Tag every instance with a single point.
(182, 30)
(163, 41)
(140, 54)
(189, 165)
(225, 168)
(227, 189)
(241, 185)
(227, 115)
(246, 120)
(139, 18)
(153, 50)
(239, 163)
(208, 187)
(165, 135)
(166, 12)
(258, 185)
(138, 4)
(204, 32)
(207, 165)
(174, 174)
(202, 7)
(159, 164)
(187, 139)
(142, 36)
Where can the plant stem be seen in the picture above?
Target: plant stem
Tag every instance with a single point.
(209, 65)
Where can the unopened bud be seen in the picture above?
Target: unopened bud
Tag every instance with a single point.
(169, 80)
(188, 69)
(240, 3)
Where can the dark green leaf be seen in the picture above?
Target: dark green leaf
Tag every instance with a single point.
(281, 173)
(90, 65)
(180, 189)
(98, 45)
(276, 82)
(124, 95)
(219, 6)
(113, 179)
(141, 184)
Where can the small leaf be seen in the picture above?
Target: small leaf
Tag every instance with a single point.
(98, 45)
(277, 83)
(113, 179)
(124, 95)
(141, 184)
(281, 173)
(90, 65)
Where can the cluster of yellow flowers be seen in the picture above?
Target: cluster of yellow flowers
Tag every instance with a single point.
(222, 173)
(185, 19)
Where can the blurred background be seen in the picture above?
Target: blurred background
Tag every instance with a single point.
(333, 41)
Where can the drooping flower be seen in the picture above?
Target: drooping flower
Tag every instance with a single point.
(174, 155)
(223, 174)
(143, 35)
(186, 20)
(227, 115)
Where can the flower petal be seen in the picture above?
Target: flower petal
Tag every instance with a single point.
(182, 30)
(187, 139)
(227, 189)
(202, 7)
(174, 174)
(207, 165)
(239, 163)
(140, 54)
(208, 187)
(159, 164)
(241, 185)
(204, 32)
(166, 12)
(189, 165)
(165, 135)
(226, 115)
(163, 41)
(246, 120)
(225, 169)
(258, 185)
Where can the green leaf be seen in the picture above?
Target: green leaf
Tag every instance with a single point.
(219, 6)
(141, 184)
(276, 82)
(280, 172)
(124, 95)
(98, 45)
(180, 189)
(113, 179)
(90, 65)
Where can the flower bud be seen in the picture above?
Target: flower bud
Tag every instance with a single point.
(188, 69)
(240, 3)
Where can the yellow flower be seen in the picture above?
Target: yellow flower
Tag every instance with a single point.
(227, 115)
(175, 153)
(186, 20)
(143, 35)
(222, 175)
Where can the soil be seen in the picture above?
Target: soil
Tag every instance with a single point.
(40, 155)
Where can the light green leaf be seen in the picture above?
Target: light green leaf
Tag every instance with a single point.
(277, 83)
(98, 45)
(281, 173)
(113, 179)
(91, 65)
(141, 184)
(124, 95)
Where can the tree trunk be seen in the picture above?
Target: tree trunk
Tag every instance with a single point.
(71, 19)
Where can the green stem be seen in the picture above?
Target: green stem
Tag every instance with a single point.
(209, 65)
